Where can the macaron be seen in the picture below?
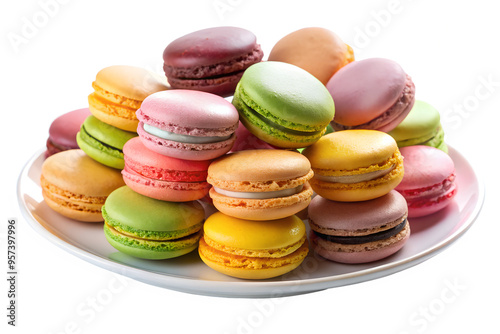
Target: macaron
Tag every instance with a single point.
(358, 232)
(211, 60)
(148, 228)
(283, 104)
(187, 124)
(165, 178)
(373, 93)
(260, 184)
(317, 50)
(103, 142)
(119, 91)
(63, 130)
(355, 165)
(429, 182)
(422, 126)
(76, 186)
(253, 249)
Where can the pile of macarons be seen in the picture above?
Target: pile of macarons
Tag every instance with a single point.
(309, 136)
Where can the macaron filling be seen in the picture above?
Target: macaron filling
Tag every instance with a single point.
(348, 179)
(356, 240)
(260, 195)
(181, 138)
(94, 142)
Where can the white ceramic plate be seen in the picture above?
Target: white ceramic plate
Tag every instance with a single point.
(188, 273)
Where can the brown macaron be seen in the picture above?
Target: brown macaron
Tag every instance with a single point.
(319, 51)
(76, 186)
(260, 184)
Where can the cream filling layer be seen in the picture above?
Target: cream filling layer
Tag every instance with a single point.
(182, 138)
(355, 178)
(260, 195)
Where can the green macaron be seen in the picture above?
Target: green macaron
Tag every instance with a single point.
(103, 142)
(283, 104)
(148, 228)
(422, 126)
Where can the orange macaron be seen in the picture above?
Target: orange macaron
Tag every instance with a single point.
(260, 184)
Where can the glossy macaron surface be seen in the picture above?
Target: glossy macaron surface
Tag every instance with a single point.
(283, 104)
(429, 181)
(186, 124)
(317, 50)
(63, 130)
(373, 93)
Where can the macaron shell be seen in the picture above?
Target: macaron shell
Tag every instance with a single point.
(76, 186)
(427, 206)
(272, 267)
(303, 103)
(121, 117)
(63, 130)
(96, 150)
(364, 253)
(159, 250)
(424, 166)
(357, 218)
(350, 150)
(245, 140)
(130, 81)
(317, 50)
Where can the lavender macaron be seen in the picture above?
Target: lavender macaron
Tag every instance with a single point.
(359, 232)
(187, 124)
(374, 94)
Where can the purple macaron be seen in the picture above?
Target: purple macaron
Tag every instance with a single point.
(211, 60)
(373, 93)
(359, 232)
(63, 130)
(187, 124)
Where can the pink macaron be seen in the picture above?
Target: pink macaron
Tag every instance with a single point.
(358, 232)
(187, 124)
(429, 181)
(245, 140)
(165, 178)
(63, 130)
(373, 93)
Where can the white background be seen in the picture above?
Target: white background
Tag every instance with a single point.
(450, 48)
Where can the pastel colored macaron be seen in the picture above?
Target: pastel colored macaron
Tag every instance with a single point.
(260, 184)
(373, 93)
(76, 186)
(187, 124)
(358, 232)
(119, 91)
(103, 142)
(422, 126)
(317, 50)
(148, 228)
(253, 249)
(355, 165)
(429, 181)
(211, 60)
(161, 177)
(283, 104)
(63, 130)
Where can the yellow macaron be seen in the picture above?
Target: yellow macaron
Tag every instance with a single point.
(355, 165)
(253, 249)
(119, 91)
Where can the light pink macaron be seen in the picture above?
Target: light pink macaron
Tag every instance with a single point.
(373, 93)
(358, 232)
(187, 124)
(165, 178)
(429, 181)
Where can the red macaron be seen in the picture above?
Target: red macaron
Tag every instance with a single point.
(63, 130)
(211, 60)
(161, 177)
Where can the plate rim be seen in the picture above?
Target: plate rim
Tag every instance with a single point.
(259, 288)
